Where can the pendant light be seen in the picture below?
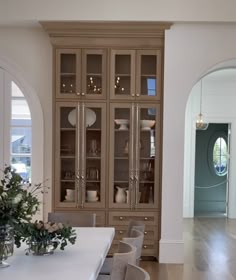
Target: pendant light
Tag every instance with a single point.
(200, 125)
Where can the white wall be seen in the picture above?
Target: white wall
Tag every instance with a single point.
(218, 103)
(14, 11)
(191, 49)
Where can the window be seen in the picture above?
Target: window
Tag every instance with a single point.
(220, 156)
(21, 133)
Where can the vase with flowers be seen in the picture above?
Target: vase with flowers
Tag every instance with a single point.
(43, 238)
(18, 204)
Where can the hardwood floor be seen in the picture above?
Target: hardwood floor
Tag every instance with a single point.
(210, 252)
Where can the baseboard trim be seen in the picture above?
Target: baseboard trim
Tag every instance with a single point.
(171, 251)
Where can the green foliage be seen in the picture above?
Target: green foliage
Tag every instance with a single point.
(18, 201)
(42, 232)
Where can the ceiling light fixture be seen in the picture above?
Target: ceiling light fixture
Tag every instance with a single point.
(200, 125)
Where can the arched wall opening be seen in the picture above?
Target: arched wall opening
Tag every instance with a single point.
(12, 73)
(218, 101)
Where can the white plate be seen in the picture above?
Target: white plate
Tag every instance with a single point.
(90, 117)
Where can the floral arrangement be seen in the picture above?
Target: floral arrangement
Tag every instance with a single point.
(43, 236)
(18, 201)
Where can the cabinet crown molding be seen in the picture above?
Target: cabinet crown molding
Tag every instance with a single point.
(105, 29)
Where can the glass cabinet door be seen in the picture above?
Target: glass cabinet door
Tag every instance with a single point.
(66, 155)
(68, 73)
(148, 76)
(93, 155)
(146, 156)
(121, 154)
(122, 74)
(94, 73)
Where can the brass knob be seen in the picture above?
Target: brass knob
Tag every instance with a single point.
(83, 93)
(78, 93)
(121, 231)
(133, 94)
(145, 232)
(145, 218)
(145, 246)
(121, 218)
(138, 94)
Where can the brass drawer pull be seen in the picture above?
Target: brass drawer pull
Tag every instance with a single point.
(121, 218)
(121, 232)
(145, 232)
(78, 93)
(145, 246)
(145, 218)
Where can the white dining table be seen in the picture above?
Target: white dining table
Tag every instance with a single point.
(81, 261)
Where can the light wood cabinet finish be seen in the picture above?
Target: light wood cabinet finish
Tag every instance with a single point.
(115, 70)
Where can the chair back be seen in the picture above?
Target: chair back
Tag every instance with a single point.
(126, 254)
(135, 225)
(73, 219)
(135, 272)
(136, 240)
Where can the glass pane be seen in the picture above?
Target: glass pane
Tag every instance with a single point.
(121, 155)
(22, 165)
(68, 193)
(94, 73)
(21, 134)
(148, 75)
(15, 91)
(220, 156)
(122, 74)
(68, 119)
(68, 73)
(93, 120)
(21, 139)
(147, 155)
(20, 109)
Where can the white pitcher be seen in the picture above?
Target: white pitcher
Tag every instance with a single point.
(120, 195)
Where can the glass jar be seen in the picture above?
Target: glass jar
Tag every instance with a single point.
(42, 247)
(6, 244)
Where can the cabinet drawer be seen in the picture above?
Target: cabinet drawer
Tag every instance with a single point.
(151, 232)
(123, 218)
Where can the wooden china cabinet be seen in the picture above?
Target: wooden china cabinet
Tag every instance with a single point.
(107, 108)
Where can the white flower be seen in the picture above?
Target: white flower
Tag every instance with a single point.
(4, 194)
(17, 198)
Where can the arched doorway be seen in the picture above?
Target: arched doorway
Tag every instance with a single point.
(218, 100)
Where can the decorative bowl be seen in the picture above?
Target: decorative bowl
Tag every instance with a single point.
(123, 123)
(147, 124)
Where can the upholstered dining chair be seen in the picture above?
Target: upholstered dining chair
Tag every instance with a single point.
(136, 240)
(126, 255)
(133, 224)
(73, 219)
(134, 272)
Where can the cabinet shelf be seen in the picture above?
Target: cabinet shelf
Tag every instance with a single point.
(148, 75)
(67, 74)
(122, 75)
(68, 180)
(67, 129)
(67, 156)
(91, 157)
(94, 74)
